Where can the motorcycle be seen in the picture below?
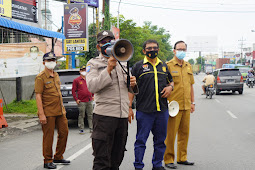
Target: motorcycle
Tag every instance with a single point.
(250, 82)
(209, 91)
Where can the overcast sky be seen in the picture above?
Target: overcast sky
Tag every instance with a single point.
(227, 20)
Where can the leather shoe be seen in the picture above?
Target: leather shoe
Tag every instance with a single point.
(50, 165)
(63, 161)
(158, 168)
(186, 163)
(171, 166)
(138, 168)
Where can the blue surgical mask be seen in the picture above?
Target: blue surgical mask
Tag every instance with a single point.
(180, 54)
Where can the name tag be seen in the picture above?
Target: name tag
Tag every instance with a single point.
(48, 82)
(174, 71)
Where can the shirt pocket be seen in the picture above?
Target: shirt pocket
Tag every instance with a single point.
(189, 76)
(176, 77)
(49, 88)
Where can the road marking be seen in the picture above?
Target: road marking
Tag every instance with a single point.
(231, 114)
(217, 100)
(75, 155)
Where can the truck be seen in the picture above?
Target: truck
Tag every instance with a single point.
(221, 61)
(196, 68)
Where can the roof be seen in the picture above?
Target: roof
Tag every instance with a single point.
(29, 29)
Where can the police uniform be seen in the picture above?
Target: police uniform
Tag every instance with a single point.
(49, 88)
(110, 118)
(183, 79)
(152, 109)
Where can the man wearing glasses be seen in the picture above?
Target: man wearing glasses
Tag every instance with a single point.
(155, 85)
(106, 79)
(184, 95)
(51, 112)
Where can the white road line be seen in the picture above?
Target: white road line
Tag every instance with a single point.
(231, 114)
(217, 100)
(75, 155)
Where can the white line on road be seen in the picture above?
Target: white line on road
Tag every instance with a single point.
(217, 100)
(231, 114)
(75, 155)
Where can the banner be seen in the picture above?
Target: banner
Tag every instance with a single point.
(21, 59)
(24, 10)
(116, 32)
(76, 27)
(93, 3)
(6, 8)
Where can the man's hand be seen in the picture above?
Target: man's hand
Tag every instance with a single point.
(166, 91)
(112, 62)
(132, 81)
(78, 101)
(192, 108)
(130, 115)
(42, 119)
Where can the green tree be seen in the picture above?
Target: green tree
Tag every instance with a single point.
(191, 61)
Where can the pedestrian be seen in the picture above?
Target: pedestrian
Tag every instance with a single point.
(106, 79)
(51, 112)
(184, 94)
(155, 85)
(84, 100)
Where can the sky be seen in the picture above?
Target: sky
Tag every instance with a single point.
(227, 22)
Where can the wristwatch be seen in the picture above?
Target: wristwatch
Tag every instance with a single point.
(193, 103)
(172, 87)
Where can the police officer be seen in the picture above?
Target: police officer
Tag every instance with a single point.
(106, 79)
(51, 112)
(184, 94)
(155, 85)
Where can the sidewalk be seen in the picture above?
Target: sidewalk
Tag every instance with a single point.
(18, 124)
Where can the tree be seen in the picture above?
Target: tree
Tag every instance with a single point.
(191, 61)
(199, 60)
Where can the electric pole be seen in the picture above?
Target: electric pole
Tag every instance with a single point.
(241, 45)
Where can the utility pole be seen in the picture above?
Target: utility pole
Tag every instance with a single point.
(45, 16)
(118, 22)
(242, 44)
(106, 11)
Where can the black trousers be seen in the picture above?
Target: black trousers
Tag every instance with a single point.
(109, 139)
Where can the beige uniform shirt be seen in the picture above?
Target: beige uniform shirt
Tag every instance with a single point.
(110, 92)
(209, 79)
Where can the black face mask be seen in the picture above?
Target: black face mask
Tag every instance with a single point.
(103, 49)
(152, 54)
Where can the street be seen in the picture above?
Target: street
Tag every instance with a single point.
(222, 136)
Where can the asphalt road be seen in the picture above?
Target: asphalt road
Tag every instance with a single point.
(222, 137)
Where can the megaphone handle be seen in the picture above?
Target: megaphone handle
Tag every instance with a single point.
(128, 76)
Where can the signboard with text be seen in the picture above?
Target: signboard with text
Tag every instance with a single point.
(24, 10)
(76, 27)
(6, 8)
(93, 3)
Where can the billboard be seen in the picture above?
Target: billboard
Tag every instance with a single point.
(93, 3)
(24, 10)
(21, 59)
(76, 27)
(5, 8)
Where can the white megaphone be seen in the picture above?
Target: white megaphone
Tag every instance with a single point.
(173, 108)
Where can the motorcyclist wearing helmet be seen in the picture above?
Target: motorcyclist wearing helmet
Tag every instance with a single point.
(208, 79)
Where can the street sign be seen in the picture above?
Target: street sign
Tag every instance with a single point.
(76, 27)
(6, 8)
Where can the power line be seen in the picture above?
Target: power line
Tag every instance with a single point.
(189, 10)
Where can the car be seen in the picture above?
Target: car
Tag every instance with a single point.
(228, 79)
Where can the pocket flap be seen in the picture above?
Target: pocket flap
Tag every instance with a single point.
(99, 136)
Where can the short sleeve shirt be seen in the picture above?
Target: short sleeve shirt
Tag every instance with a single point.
(183, 79)
(151, 80)
(49, 87)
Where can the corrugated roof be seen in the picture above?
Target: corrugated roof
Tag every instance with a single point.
(29, 29)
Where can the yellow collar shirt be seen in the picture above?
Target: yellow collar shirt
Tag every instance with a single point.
(183, 79)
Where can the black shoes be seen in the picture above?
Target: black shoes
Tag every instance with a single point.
(62, 161)
(171, 166)
(138, 168)
(50, 165)
(186, 163)
(159, 168)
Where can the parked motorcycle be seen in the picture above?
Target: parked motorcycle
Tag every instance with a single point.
(250, 82)
(209, 91)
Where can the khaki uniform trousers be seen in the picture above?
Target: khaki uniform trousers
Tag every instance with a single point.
(180, 123)
(60, 122)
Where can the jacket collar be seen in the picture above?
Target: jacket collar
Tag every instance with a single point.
(145, 60)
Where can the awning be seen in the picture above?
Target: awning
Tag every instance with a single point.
(29, 29)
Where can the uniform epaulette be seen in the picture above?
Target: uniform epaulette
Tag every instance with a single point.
(40, 74)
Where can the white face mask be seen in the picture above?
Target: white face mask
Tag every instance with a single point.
(83, 73)
(50, 65)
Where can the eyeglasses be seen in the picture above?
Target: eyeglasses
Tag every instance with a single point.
(184, 50)
(151, 48)
(104, 41)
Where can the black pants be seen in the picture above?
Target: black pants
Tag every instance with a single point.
(109, 139)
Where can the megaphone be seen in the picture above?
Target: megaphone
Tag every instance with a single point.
(173, 108)
(121, 49)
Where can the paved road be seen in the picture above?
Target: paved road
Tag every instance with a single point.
(222, 136)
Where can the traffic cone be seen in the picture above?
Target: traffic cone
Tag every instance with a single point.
(3, 122)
